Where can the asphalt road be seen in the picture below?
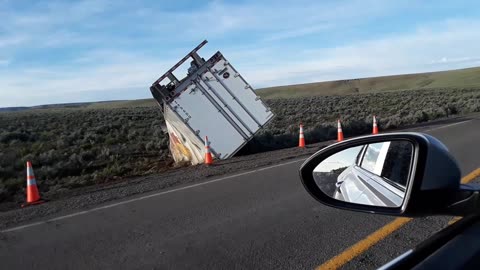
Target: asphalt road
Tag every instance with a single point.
(258, 220)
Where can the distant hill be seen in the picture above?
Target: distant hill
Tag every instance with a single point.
(13, 109)
(97, 104)
(468, 78)
(126, 103)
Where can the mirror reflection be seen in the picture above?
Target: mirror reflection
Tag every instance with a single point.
(371, 174)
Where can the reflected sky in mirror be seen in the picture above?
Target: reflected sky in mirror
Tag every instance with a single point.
(342, 159)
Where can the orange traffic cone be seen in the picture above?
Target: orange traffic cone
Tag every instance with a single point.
(301, 139)
(339, 131)
(208, 155)
(33, 196)
(375, 127)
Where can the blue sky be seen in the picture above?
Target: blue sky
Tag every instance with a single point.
(71, 51)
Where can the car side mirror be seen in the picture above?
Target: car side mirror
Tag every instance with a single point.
(401, 174)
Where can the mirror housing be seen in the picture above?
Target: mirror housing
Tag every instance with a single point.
(434, 183)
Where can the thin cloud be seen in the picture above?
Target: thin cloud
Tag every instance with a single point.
(12, 40)
(447, 60)
(407, 53)
(398, 54)
(47, 23)
(67, 49)
(299, 32)
(4, 62)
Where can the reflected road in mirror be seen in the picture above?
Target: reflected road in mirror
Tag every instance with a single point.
(372, 174)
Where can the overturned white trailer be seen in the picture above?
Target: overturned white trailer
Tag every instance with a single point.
(213, 100)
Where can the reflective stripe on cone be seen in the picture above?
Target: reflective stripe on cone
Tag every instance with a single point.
(375, 126)
(208, 155)
(339, 131)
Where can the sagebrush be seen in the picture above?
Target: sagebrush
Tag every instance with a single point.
(76, 147)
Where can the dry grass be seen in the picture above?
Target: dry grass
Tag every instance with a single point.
(469, 77)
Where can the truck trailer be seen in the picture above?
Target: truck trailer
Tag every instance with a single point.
(212, 100)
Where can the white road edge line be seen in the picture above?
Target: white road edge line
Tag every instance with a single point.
(450, 125)
(144, 197)
(172, 190)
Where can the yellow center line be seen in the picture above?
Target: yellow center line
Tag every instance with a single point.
(364, 244)
(465, 180)
(453, 220)
(471, 176)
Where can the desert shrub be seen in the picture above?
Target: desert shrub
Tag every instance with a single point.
(393, 110)
(68, 146)
(76, 147)
(7, 137)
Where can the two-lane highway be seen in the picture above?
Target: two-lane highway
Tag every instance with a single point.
(262, 219)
